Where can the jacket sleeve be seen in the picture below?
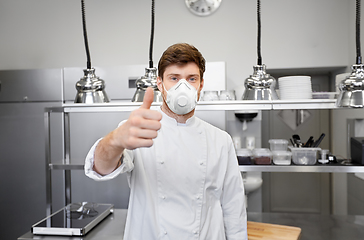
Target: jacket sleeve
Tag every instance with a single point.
(233, 199)
(126, 166)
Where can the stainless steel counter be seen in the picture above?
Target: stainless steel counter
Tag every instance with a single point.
(314, 226)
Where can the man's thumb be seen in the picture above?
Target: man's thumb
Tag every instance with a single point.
(148, 98)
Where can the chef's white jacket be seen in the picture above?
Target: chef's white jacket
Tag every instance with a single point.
(186, 186)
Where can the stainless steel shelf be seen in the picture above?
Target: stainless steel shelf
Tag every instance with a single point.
(299, 168)
(124, 106)
(304, 104)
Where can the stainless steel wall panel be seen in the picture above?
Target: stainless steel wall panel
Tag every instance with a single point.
(31, 85)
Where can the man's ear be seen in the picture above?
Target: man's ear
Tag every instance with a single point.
(159, 84)
(201, 84)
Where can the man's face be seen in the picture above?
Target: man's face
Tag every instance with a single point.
(173, 73)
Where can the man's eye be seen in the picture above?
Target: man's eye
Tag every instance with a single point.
(192, 79)
(174, 78)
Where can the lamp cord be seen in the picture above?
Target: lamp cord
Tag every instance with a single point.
(151, 38)
(85, 35)
(259, 35)
(358, 51)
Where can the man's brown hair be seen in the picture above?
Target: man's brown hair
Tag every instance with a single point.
(181, 54)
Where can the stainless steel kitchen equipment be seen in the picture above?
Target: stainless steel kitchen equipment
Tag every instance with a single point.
(90, 89)
(260, 85)
(75, 219)
(150, 77)
(23, 96)
(352, 88)
(142, 83)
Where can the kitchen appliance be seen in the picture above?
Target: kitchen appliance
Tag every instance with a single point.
(76, 219)
(90, 88)
(352, 88)
(150, 77)
(357, 149)
(23, 96)
(260, 85)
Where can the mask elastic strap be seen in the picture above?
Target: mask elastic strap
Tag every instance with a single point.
(164, 97)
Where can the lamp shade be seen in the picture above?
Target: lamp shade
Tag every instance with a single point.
(148, 80)
(260, 85)
(90, 88)
(351, 88)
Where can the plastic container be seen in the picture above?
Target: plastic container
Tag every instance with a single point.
(262, 156)
(282, 157)
(278, 144)
(244, 156)
(210, 96)
(304, 156)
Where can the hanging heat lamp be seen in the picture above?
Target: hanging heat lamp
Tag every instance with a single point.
(150, 77)
(352, 87)
(90, 88)
(260, 85)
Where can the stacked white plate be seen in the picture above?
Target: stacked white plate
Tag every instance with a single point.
(295, 87)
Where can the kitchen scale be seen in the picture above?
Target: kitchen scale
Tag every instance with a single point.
(75, 219)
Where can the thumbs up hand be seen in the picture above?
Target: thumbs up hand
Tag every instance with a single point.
(141, 127)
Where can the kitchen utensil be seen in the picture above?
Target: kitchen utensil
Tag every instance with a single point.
(293, 144)
(265, 231)
(309, 142)
(318, 141)
(297, 140)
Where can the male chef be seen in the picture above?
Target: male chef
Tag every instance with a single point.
(183, 172)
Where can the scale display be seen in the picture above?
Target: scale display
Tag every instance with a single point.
(76, 219)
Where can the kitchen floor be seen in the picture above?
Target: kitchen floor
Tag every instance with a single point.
(316, 226)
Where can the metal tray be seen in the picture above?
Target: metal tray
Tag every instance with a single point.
(75, 219)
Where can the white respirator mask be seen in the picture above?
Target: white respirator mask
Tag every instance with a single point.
(182, 97)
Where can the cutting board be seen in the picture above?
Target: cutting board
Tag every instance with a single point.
(267, 231)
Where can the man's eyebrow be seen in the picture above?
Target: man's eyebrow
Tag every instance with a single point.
(173, 74)
(194, 75)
